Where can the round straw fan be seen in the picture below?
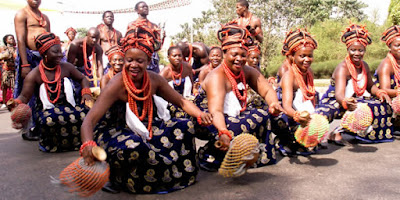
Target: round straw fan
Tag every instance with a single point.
(86, 180)
(314, 132)
(21, 115)
(243, 149)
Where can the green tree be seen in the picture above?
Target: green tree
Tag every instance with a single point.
(394, 12)
(81, 32)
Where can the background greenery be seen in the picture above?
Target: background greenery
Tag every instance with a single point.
(325, 19)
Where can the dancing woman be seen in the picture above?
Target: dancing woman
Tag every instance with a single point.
(58, 112)
(223, 93)
(147, 152)
(352, 83)
(298, 91)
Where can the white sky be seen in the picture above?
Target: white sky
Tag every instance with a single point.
(173, 17)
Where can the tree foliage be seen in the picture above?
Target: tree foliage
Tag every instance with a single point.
(323, 18)
(394, 12)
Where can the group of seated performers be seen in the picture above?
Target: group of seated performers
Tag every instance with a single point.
(147, 122)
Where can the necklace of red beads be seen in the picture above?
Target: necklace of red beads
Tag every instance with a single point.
(88, 69)
(133, 93)
(57, 80)
(42, 21)
(177, 76)
(232, 79)
(396, 67)
(112, 36)
(354, 76)
(307, 85)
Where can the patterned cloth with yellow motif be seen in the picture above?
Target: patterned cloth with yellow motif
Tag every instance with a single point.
(165, 163)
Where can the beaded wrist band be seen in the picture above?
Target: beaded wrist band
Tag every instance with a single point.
(380, 92)
(199, 119)
(226, 132)
(17, 101)
(85, 144)
(271, 79)
(86, 91)
(344, 103)
(296, 116)
(26, 65)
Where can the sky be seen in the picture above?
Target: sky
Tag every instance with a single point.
(172, 17)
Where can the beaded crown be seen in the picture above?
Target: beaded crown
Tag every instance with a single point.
(296, 39)
(232, 35)
(390, 34)
(356, 33)
(44, 41)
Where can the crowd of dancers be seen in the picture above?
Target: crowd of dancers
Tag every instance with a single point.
(107, 90)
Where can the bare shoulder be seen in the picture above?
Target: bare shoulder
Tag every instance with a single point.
(21, 14)
(68, 66)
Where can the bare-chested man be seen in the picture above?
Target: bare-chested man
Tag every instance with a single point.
(29, 22)
(247, 20)
(198, 52)
(82, 52)
(109, 36)
(142, 10)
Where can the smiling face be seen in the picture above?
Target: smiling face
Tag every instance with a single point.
(117, 62)
(215, 57)
(395, 48)
(253, 59)
(175, 57)
(136, 62)
(235, 58)
(356, 52)
(303, 58)
(53, 55)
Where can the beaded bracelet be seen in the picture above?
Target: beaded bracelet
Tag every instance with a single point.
(226, 132)
(271, 79)
(296, 116)
(380, 92)
(26, 65)
(86, 91)
(344, 103)
(17, 101)
(85, 144)
(199, 119)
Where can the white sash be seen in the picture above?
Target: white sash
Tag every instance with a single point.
(300, 105)
(187, 88)
(232, 105)
(68, 90)
(137, 126)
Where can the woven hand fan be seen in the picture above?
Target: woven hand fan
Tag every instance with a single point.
(359, 120)
(86, 180)
(396, 105)
(243, 149)
(363, 117)
(20, 116)
(314, 132)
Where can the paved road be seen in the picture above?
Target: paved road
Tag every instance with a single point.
(353, 172)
